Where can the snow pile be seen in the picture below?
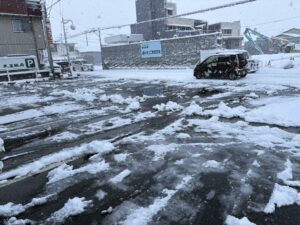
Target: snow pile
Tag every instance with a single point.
(133, 106)
(193, 110)
(120, 157)
(2, 149)
(287, 175)
(120, 177)
(118, 99)
(183, 136)
(160, 151)
(100, 195)
(65, 136)
(212, 164)
(11, 209)
(224, 111)
(230, 220)
(15, 221)
(95, 147)
(1, 166)
(282, 196)
(169, 107)
(65, 171)
(81, 94)
(281, 111)
(143, 116)
(143, 215)
(73, 207)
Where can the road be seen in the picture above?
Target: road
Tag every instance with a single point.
(144, 152)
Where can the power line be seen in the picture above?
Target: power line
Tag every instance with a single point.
(93, 30)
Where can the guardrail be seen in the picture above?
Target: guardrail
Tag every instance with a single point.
(8, 76)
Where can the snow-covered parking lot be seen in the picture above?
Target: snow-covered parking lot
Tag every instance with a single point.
(152, 147)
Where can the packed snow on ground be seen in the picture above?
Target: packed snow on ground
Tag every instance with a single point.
(282, 111)
(120, 177)
(143, 215)
(282, 196)
(95, 147)
(23, 100)
(65, 136)
(287, 175)
(73, 207)
(100, 195)
(121, 157)
(212, 164)
(231, 220)
(11, 209)
(160, 151)
(61, 108)
(66, 171)
(224, 111)
(82, 94)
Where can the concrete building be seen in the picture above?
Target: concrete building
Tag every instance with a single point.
(92, 57)
(231, 33)
(149, 10)
(21, 30)
(292, 35)
(123, 39)
(59, 51)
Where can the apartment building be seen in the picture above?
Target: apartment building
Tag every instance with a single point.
(21, 28)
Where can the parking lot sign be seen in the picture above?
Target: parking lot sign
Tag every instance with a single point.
(151, 49)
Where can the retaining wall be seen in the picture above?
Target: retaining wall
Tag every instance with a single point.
(175, 53)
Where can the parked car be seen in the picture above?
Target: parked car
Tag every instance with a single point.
(82, 65)
(223, 65)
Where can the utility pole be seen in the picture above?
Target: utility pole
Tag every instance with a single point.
(100, 41)
(46, 37)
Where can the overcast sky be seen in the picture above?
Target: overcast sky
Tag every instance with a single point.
(270, 17)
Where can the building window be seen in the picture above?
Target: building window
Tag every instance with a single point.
(170, 12)
(227, 31)
(18, 26)
(71, 48)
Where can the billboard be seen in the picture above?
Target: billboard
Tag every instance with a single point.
(151, 50)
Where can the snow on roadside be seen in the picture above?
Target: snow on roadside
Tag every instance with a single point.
(121, 157)
(72, 207)
(169, 107)
(230, 220)
(120, 177)
(24, 100)
(143, 215)
(133, 106)
(282, 196)
(65, 171)
(95, 147)
(11, 209)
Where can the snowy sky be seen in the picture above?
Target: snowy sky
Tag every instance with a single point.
(270, 17)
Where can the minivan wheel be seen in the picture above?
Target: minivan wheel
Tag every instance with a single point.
(232, 76)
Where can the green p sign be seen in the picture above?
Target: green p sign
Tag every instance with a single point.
(30, 63)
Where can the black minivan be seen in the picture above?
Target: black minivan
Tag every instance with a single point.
(224, 65)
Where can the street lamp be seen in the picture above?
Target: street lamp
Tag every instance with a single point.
(64, 23)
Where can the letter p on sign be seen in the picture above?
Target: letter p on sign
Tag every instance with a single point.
(30, 63)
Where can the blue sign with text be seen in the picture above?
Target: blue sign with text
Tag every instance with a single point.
(151, 49)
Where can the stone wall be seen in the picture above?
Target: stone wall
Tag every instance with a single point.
(176, 52)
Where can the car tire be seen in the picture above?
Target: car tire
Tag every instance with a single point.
(232, 76)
